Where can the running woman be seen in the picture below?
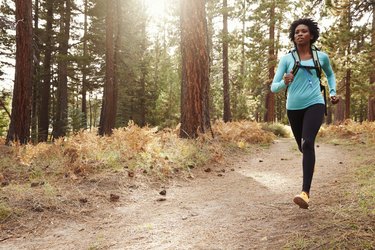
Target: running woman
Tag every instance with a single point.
(305, 103)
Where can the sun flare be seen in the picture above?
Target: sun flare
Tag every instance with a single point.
(156, 9)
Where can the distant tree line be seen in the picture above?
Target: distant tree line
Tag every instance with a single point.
(83, 64)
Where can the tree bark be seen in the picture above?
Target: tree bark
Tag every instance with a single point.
(143, 65)
(19, 128)
(210, 34)
(108, 112)
(61, 118)
(339, 112)
(227, 116)
(348, 66)
(195, 69)
(238, 84)
(371, 99)
(45, 89)
(84, 69)
(117, 55)
(347, 92)
(36, 80)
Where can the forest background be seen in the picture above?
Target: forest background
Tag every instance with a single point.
(147, 72)
(71, 45)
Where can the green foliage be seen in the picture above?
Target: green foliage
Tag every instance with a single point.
(5, 211)
(4, 112)
(77, 120)
(4, 123)
(348, 42)
(7, 38)
(148, 69)
(366, 177)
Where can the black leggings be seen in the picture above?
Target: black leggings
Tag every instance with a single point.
(305, 125)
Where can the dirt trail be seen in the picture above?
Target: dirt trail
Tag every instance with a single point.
(246, 204)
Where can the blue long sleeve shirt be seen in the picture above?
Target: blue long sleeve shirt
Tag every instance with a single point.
(304, 91)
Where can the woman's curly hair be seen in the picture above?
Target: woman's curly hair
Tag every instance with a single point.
(313, 28)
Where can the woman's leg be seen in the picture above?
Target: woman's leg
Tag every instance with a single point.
(312, 121)
(296, 121)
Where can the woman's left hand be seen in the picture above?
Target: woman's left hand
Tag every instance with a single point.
(335, 99)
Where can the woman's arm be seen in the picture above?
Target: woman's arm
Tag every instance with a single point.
(278, 81)
(327, 69)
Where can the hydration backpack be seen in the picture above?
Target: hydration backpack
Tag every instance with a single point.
(317, 67)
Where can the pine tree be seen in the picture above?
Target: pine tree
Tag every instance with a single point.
(85, 66)
(371, 99)
(60, 126)
(270, 97)
(195, 68)
(347, 40)
(19, 128)
(108, 112)
(227, 116)
(45, 86)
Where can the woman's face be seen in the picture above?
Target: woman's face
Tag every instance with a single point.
(302, 35)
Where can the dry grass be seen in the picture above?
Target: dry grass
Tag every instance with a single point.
(349, 223)
(131, 148)
(68, 178)
(350, 131)
(242, 133)
(57, 178)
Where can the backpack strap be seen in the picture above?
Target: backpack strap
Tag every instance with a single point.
(296, 66)
(297, 61)
(317, 67)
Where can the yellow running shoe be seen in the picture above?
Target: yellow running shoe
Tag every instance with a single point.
(302, 200)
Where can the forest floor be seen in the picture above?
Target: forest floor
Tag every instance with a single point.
(245, 202)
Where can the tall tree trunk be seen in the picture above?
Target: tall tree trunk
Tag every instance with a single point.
(279, 100)
(227, 116)
(206, 95)
(108, 112)
(238, 85)
(84, 69)
(143, 97)
(210, 34)
(90, 111)
(116, 54)
(371, 99)
(348, 65)
(45, 94)
(61, 122)
(328, 119)
(347, 91)
(243, 37)
(270, 97)
(195, 68)
(19, 128)
(339, 112)
(36, 77)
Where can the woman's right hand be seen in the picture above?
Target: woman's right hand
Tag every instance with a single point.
(288, 78)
